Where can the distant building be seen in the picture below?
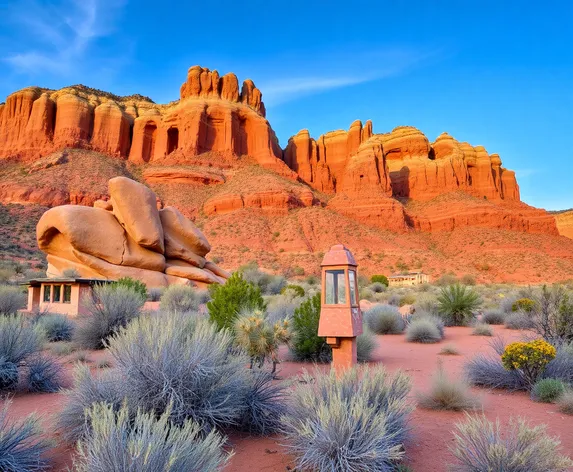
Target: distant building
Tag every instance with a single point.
(415, 277)
(65, 295)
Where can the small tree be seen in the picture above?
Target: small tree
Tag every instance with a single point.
(229, 299)
(307, 344)
(552, 315)
(380, 279)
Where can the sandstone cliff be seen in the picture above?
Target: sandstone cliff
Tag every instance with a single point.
(564, 221)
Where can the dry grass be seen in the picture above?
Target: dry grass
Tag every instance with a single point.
(450, 350)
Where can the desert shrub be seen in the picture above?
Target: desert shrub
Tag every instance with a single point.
(232, 297)
(354, 421)
(482, 329)
(565, 402)
(523, 304)
(561, 367)
(450, 350)
(71, 422)
(423, 330)
(155, 293)
(21, 449)
(61, 348)
(426, 302)
(12, 299)
(268, 283)
(379, 278)
(281, 307)
(71, 272)
(384, 319)
(457, 303)
(260, 339)
(447, 394)
(110, 308)
(493, 317)
(42, 374)
(481, 446)
(20, 344)
(306, 344)
(552, 315)
(468, 279)
(296, 290)
(163, 360)
(528, 359)
(408, 299)
(56, 327)
(446, 279)
(365, 345)
(180, 299)
(377, 287)
(146, 443)
(135, 285)
(518, 320)
(547, 390)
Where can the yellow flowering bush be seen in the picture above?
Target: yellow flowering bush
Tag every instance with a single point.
(528, 358)
(524, 304)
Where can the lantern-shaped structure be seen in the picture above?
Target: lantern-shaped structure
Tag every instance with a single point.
(340, 316)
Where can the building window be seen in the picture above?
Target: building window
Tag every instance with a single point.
(67, 294)
(47, 292)
(57, 292)
(335, 287)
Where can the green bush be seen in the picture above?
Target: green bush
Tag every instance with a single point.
(180, 299)
(132, 284)
(12, 299)
(547, 390)
(481, 446)
(355, 421)
(379, 278)
(146, 443)
(229, 299)
(306, 344)
(296, 290)
(457, 303)
(523, 304)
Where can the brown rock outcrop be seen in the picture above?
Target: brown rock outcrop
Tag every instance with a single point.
(564, 221)
(129, 238)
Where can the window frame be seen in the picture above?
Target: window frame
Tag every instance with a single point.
(67, 299)
(47, 290)
(336, 295)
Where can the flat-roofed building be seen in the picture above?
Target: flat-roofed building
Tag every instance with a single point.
(408, 278)
(65, 295)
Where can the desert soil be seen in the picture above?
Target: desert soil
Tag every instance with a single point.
(431, 431)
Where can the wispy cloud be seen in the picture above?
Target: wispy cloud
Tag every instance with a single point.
(365, 67)
(64, 31)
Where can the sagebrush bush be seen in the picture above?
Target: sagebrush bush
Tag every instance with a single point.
(493, 317)
(547, 390)
(518, 320)
(377, 287)
(450, 350)
(294, 290)
(135, 285)
(155, 293)
(487, 371)
(12, 299)
(365, 345)
(384, 319)
(481, 446)
(281, 307)
(21, 448)
(269, 284)
(42, 374)
(180, 299)
(353, 421)
(457, 303)
(110, 308)
(146, 443)
(163, 360)
(423, 330)
(448, 394)
(72, 423)
(482, 329)
(426, 302)
(306, 344)
(229, 299)
(565, 402)
(56, 327)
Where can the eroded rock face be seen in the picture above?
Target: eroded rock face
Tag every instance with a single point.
(402, 164)
(127, 237)
(564, 221)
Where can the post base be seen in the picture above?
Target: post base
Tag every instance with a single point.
(344, 356)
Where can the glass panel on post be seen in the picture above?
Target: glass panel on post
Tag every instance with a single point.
(352, 282)
(335, 288)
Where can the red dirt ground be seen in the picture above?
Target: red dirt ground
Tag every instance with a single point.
(431, 431)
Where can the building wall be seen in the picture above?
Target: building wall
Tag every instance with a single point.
(70, 309)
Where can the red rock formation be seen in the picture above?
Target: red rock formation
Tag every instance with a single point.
(564, 221)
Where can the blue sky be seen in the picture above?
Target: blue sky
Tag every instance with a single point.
(495, 73)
